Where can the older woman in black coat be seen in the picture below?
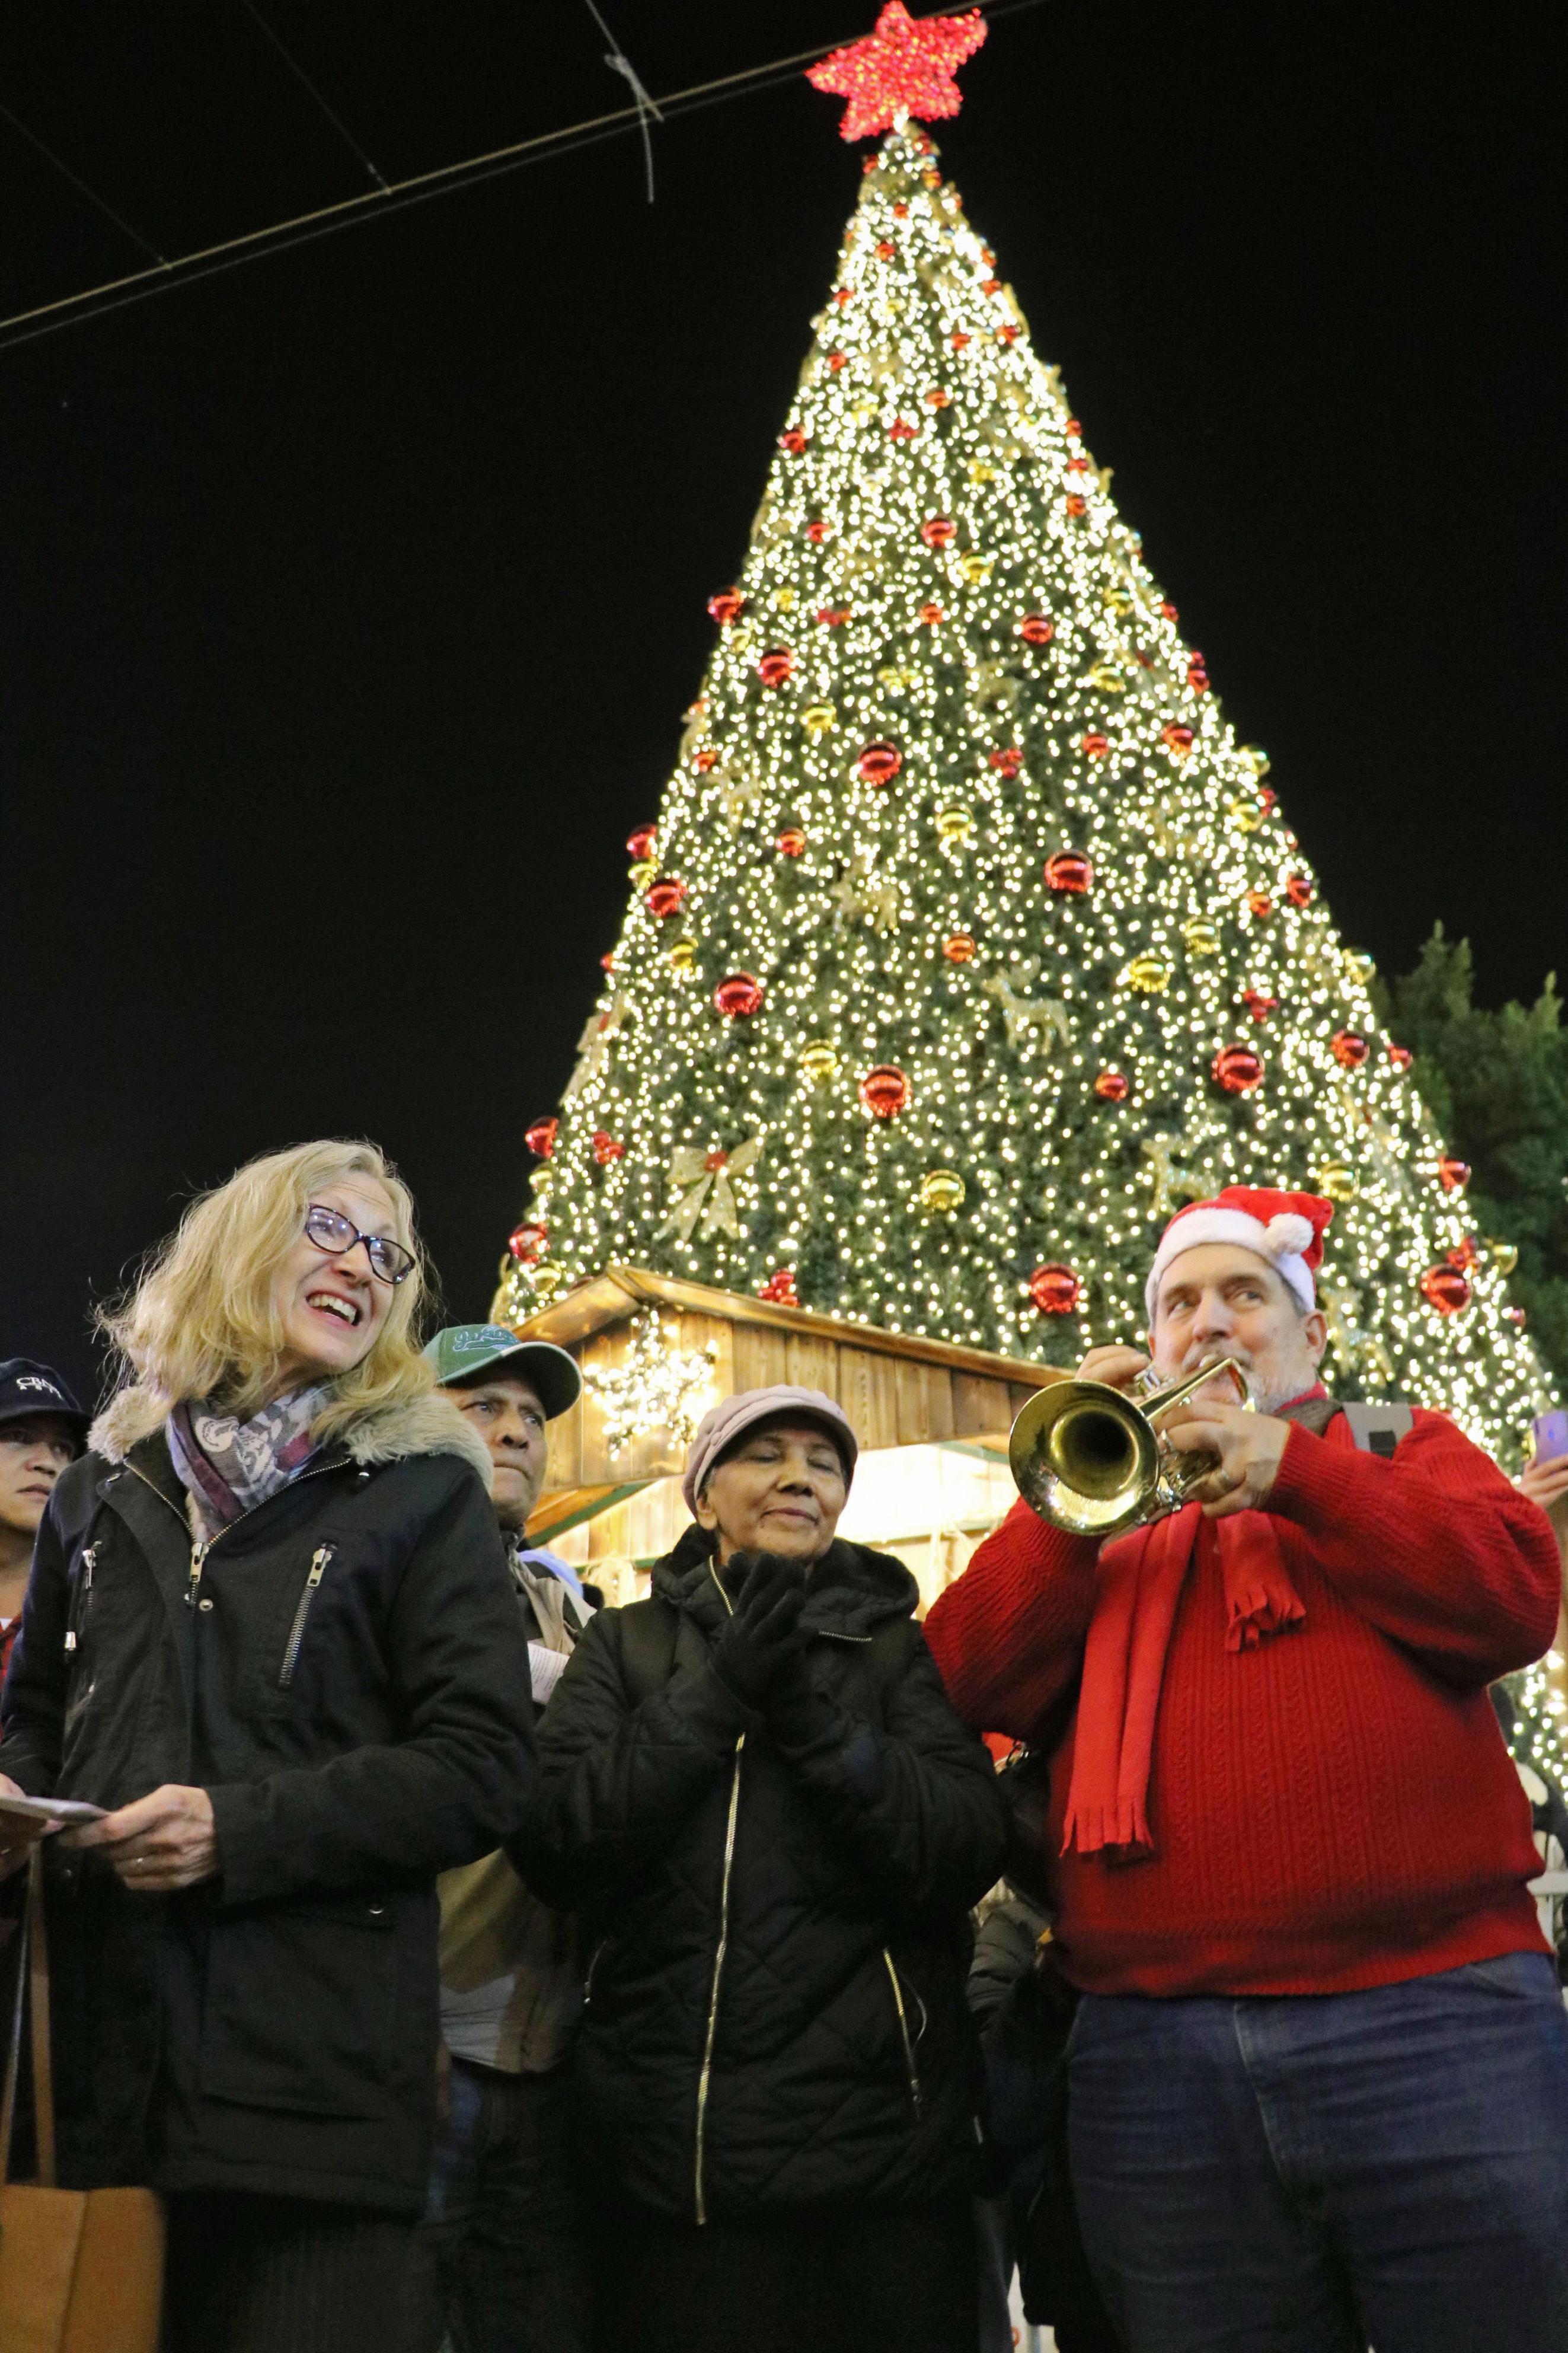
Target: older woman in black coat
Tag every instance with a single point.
(753, 1786)
(270, 1630)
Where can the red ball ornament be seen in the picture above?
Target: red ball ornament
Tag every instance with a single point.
(1515, 1316)
(1008, 333)
(1095, 745)
(775, 666)
(727, 607)
(816, 531)
(1197, 676)
(1068, 872)
(1453, 1175)
(1261, 904)
(939, 397)
(605, 1147)
(1177, 740)
(794, 440)
(939, 531)
(900, 212)
(1169, 611)
(1055, 1289)
(832, 617)
(665, 897)
(704, 760)
(607, 961)
(901, 429)
(1237, 1070)
(1073, 429)
(1445, 1289)
(641, 841)
(738, 996)
(1037, 628)
(885, 1090)
(886, 248)
(1267, 795)
(958, 947)
(878, 763)
(991, 286)
(1007, 761)
(960, 341)
(540, 1137)
(1401, 1057)
(526, 1244)
(1465, 1255)
(1111, 1086)
(835, 362)
(792, 841)
(1075, 504)
(931, 615)
(1298, 890)
(1349, 1048)
(779, 1288)
(1077, 464)
(1258, 1004)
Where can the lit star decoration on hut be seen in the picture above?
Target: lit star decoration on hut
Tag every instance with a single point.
(903, 68)
(657, 1388)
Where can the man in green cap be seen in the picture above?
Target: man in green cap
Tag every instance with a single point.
(500, 2262)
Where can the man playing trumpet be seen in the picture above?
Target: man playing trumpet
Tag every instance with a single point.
(1318, 2077)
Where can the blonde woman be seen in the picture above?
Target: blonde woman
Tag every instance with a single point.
(269, 1627)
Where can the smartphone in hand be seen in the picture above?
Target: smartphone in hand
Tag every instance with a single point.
(1549, 1437)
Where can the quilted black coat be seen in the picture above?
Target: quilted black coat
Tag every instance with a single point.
(778, 1919)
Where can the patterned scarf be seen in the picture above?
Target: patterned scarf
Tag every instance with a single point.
(228, 1466)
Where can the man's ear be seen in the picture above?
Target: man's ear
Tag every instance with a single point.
(1315, 1332)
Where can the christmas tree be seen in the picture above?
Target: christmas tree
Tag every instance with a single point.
(968, 942)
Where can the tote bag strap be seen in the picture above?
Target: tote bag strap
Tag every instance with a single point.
(32, 1977)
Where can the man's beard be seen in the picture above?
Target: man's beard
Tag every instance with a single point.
(1266, 1395)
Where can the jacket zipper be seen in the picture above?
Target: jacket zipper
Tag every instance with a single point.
(318, 1560)
(82, 1596)
(705, 2076)
(200, 1549)
(916, 2095)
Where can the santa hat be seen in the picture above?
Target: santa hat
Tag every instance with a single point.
(1285, 1230)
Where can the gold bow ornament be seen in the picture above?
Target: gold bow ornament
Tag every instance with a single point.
(703, 1187)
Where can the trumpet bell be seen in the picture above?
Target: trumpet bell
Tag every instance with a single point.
(1084, 1457)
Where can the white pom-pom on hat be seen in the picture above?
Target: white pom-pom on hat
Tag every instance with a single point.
(1288, 1234)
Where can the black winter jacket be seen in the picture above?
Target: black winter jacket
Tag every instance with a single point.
(348, 1678)
(775, 2019)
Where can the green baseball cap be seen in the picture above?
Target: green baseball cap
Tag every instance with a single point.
(465, 1351)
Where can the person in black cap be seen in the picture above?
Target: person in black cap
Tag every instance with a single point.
(41, 1429)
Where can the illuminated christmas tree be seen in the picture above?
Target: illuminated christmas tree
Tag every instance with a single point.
(968, 942)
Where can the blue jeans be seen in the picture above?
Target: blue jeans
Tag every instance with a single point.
(501, 2260)
(1303, 2173)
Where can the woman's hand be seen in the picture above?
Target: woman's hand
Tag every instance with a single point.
(162, 1841)
(763, 1634)
(16, 1835)
(1546, 1484)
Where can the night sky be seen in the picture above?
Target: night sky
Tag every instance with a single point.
(349, 602)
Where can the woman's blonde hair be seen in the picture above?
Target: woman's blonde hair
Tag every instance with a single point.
(203, 1321)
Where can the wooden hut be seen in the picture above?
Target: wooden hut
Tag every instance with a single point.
(932, 1419)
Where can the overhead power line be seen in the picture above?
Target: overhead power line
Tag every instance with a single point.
(80, 184)
(303, 78)
(325, 220)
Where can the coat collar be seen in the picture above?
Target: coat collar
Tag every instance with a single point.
(851, 1591)
(426, 1423)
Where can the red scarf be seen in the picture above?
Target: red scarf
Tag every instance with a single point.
(1139, 1585)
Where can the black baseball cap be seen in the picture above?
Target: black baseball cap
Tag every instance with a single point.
(28, 1388)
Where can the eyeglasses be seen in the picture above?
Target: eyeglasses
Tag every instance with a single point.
(331, 1232)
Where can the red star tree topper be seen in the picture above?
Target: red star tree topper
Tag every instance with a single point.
(903, 68)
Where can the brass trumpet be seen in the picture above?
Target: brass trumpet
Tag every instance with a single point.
(1089, 1459)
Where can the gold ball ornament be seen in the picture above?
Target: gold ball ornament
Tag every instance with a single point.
(1359, 966)
(1202, 937)
(541, 1184)
(1504, 1256)
(547, 1279)
(1336, 1181)
(642, 873)
(818, 717)
(941, 1192)
(1244, 813)
(1256, 759)
(1149, 975)
(683, 958)
(786, 600)
(818, 1062)
(954, 825)
(975, 568)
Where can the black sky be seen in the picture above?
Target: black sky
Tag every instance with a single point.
(349, 602)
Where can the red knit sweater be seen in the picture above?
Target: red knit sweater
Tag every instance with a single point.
(1335, 1809)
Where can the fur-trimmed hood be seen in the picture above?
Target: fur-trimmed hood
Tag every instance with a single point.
(427, 1424)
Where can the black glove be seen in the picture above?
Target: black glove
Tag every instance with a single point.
(763, 1636)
